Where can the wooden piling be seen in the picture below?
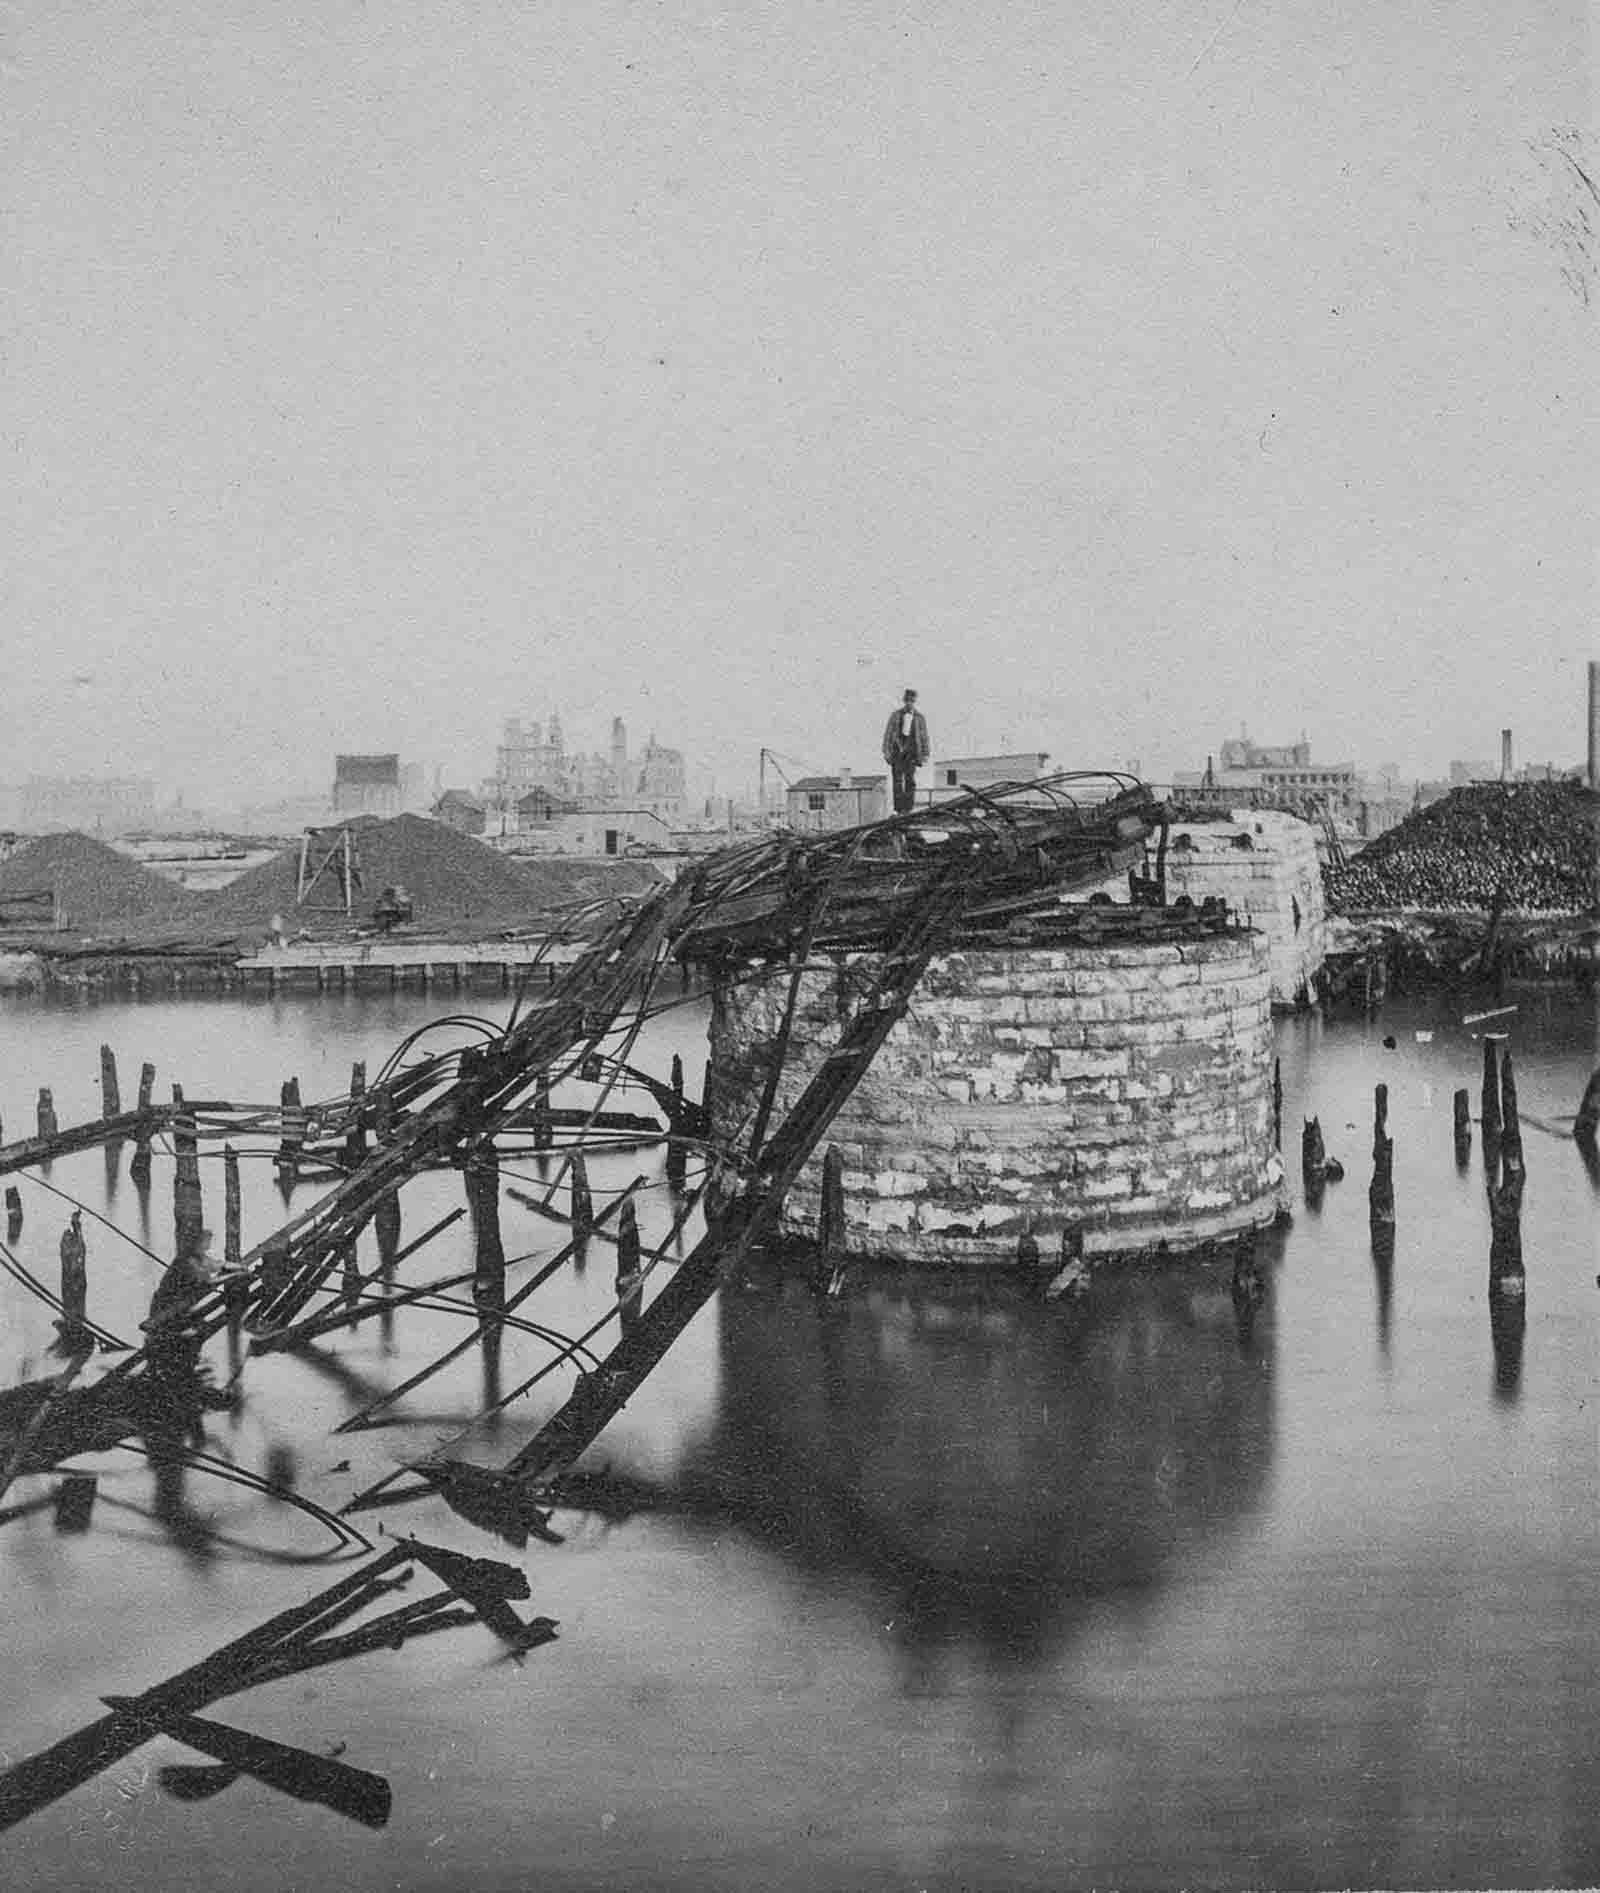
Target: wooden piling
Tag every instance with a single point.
(1489, 1110)
(13, 1213)
(1462, 1104)
(1510, 1116)
(355, 1144)
(1380, 1193)
(582, 1211)
(110, 1092)
(1380, 1118)
(188, 1210)
(47, 1113)
(1313, 1155)
(541, 1111)
(74, 1283)
(677, 1079)
(1277, 1100)
(139, 1168)
(292, 1129)
(232, 1243)
(483, 1199)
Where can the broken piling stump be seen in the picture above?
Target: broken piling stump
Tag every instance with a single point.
(46, 1113)
(355, 1143)
(292, 1131)
(483, 1198)
(13, 1212)
(1489, 1110)
(139, 1168)
(74, 1285)
(1510, 1116)
(110, 1092)
(1462, 1106)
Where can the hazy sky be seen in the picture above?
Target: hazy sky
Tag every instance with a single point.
(1114, 370)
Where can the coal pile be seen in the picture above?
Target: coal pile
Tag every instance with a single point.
(1530, 846)
(98, 890)
(453, 881)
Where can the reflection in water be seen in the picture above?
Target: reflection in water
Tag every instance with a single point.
(991, 1465)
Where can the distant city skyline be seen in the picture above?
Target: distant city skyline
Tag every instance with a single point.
(1110, 373)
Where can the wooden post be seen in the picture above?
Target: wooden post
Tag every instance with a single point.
(1277, 1087)
(1510, 1117)
(1380, 1118)
(236, 1284)
(582, 1212)
(1380, 1193)
(1313, 1155)
(110, 1092)
(1490, 1109)
(541, 1111)
(13, 1212)
(355, 1145)
(629, 1265)
(677, 1079)
(47, 1113)
(1587, 1123)
(188, 1210)
(483, 1198)
(232, 1243)
(293, 1130)
(1463, 1126)
(139, 1168)
(74, 1283)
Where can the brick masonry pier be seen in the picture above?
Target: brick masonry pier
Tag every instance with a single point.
(1120, 1094)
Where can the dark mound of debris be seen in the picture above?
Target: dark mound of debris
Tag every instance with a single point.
(97, 890)
(452, 880)
(1528, 846)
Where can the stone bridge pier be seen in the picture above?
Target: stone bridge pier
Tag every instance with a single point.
(1116, 1092)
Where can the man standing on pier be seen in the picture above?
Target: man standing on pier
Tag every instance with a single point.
(905, 749)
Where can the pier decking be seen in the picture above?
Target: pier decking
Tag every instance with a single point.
(410, 960)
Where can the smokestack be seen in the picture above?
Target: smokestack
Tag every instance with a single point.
(1505, 755)
(1594, 725)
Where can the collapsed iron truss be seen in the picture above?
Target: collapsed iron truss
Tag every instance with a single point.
(1011, 864)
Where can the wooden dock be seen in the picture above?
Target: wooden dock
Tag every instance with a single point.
(410, 960)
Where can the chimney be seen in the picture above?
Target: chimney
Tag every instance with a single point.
(1505, 755)
(1594, 725)
(846, 779)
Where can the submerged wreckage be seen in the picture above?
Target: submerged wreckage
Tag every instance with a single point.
(1011, 1068)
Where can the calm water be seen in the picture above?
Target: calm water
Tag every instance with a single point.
(950, 1592)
